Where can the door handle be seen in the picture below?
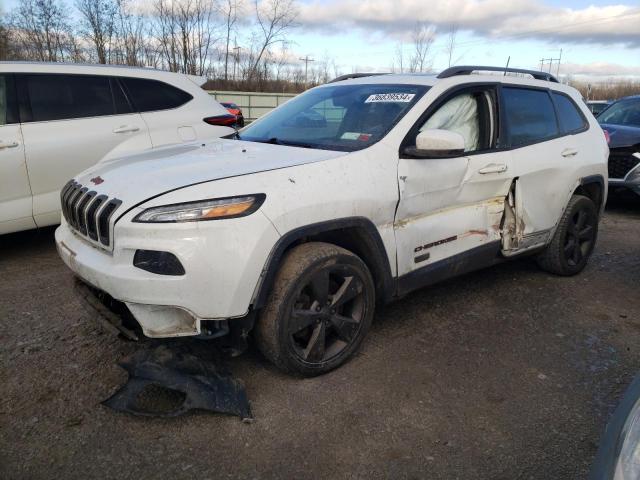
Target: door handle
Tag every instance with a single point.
(493, 168)
(126, 129)
(4, 145)
(569, 152)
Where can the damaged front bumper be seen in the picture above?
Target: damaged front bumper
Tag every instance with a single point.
(222, 268)
(116, 317)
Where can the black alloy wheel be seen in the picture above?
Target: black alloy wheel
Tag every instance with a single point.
(327, 314)
(580, 237)
(574, 238)
(319, 310)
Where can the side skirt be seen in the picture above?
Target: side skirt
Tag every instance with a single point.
(474, 259)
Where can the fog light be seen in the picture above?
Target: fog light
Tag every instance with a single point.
(162, 263)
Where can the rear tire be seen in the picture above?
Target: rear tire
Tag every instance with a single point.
(574, 239)
(319, 310)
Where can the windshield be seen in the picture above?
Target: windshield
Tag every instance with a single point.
(624, 112)
(340, 117)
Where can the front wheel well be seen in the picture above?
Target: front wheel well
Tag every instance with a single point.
(358, 235)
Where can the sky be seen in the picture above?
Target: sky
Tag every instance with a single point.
(599, 39)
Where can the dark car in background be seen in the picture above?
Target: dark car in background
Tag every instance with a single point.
(618, 456)
(621, 124)
(234, 109)
(597, 106)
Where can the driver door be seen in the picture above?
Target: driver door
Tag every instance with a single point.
(450, 209)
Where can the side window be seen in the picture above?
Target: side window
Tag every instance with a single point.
(571, 120)
(470, 115)
(60, 97)
(8, 101)
(119, 99)
(150, 95)
(4, 87)
(529, 116)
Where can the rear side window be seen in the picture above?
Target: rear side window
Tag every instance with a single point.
(150, 95)
(59, 97)
(571, 120)
(529, 116)
(8, 106)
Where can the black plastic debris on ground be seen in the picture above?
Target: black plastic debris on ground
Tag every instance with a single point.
(169, 380)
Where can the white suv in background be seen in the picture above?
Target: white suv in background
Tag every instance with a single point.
(56, 120)
(357, 191)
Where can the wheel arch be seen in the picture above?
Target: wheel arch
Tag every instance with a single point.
(356, 234)
(593, 187)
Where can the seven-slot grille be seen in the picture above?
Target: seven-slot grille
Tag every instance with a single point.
(622, 161)
(87, 212)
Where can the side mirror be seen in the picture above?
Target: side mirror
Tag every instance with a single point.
(436, 143)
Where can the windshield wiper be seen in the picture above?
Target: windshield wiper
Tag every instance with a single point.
(277, 141)
(232, 136)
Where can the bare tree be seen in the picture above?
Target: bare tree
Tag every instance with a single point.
(4, 40)
(274, 18)
(41, 30)
(130, 36)
(97, 22)
(451, 41)
(184, 32)
(422, 37)
(230, 12)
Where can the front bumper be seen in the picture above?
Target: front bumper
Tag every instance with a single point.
(632, 185)
(222, 263)
(631, 178)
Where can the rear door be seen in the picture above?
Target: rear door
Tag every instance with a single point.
(165, 110)
(15, 192)
(69, 123)
(544, 160)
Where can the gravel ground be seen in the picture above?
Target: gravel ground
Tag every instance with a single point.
(507, 373)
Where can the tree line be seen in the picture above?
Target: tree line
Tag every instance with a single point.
(242, 44)
(237, 44)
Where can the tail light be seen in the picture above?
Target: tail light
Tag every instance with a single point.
(607, 136)
(221, 120)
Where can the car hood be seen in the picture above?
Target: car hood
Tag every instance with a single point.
(622, 135)
(136, 178)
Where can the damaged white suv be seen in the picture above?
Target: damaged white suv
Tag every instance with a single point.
(352, 193)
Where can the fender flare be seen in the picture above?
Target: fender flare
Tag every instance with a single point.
(599, 179)
(378, 260)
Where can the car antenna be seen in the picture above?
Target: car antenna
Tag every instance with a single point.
(507, 66)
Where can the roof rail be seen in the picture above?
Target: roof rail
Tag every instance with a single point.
(355, 75)
(467, 69)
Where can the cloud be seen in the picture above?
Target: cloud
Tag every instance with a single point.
(500, 19)
(601, 70)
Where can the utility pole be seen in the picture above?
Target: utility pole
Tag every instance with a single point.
(236, 59)
(559, 60)
(543, 62)
(306, 61)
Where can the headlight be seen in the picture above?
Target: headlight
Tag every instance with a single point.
(216, 209)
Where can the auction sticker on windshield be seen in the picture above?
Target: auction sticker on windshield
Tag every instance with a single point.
(390, 97)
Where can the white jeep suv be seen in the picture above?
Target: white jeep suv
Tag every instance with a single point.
(355, 192)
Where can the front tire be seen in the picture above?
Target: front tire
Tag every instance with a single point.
(319, 310)
(574, 240)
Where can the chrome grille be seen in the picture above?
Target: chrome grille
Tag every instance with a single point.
(622, 161)
(88, 213)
